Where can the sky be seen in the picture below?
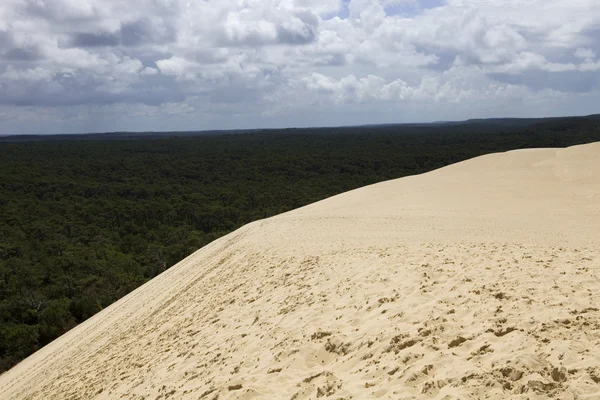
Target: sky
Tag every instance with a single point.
(70, 66)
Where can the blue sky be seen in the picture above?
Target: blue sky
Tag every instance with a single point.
(105, 65)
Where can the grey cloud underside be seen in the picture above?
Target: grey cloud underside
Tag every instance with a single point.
(84, 39)
(140, 32)
(70, 91)
(232, 94)
(564, 81)
(20, 54)
(445, 57)
(50, 11)
(284, 36)
(31, 97)
(591, 38)
(290, 36)
(331, 60)
(6, 40)
(132, 34)
(308, 33)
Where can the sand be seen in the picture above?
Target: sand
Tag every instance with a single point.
(478, 280)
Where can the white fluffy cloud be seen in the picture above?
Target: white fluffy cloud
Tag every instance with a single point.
(181, 64)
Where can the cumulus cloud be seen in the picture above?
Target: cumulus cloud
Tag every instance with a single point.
(242, 63)
(586, 54)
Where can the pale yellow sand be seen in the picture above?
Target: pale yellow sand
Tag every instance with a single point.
(478, 280)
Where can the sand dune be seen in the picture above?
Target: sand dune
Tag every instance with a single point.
(478, 280)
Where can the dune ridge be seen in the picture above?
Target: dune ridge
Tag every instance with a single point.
(477, 280)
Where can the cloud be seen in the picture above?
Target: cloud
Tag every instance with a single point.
(176, 66)
(302, 28)
(84, 39)
(144, 31)
(586, 54)
(273, 62)
(257, 27)
(353, 89)
(21, 54)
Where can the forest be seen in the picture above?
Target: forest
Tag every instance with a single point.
(84, 222)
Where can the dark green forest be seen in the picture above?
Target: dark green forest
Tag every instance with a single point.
(84, 222)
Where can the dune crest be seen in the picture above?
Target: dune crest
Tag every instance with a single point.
(477, 280)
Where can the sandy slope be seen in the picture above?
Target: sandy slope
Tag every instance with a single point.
(478, 280)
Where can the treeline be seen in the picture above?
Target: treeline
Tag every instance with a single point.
(82, 223)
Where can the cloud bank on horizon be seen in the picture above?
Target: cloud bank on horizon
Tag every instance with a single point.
(102, 65)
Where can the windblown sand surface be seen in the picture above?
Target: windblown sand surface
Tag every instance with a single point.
(478, 280)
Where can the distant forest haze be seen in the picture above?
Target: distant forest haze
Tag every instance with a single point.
(84, 222)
